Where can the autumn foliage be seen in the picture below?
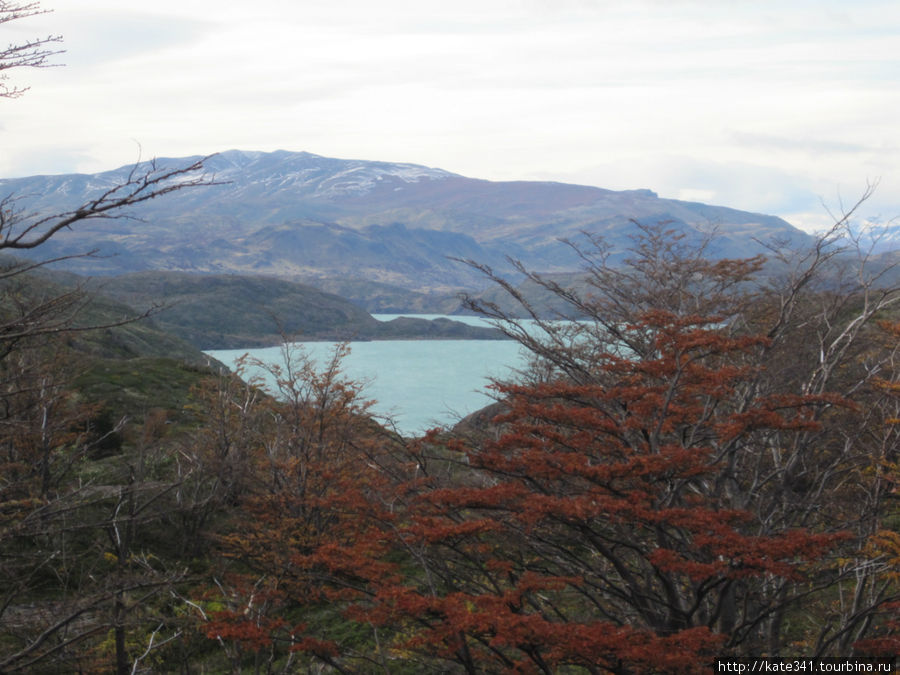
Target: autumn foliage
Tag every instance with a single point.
(600, 529)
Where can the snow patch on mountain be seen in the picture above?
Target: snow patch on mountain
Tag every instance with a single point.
(317, 176)
(875, 235)
(362, 179)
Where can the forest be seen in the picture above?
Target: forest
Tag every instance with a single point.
(703, 465)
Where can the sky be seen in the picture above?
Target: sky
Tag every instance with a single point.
(786, 107)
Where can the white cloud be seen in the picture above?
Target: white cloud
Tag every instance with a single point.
(762, 105)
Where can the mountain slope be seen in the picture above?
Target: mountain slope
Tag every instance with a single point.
(131, 338)
(298, 215)
(218, 311)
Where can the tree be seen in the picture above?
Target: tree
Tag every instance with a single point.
(882, 550)
(307, 536)
(53, 519)
(673, 480)
(29, 54)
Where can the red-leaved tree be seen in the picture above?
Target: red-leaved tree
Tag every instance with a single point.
(309, 535)
(673, 481)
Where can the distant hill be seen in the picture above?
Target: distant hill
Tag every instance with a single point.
(193, 312)
(301, 216)
(132, 339)
(217, 311)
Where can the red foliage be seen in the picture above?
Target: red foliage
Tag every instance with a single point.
(595, 530)
(253, 633)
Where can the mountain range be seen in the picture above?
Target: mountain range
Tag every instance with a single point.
(299, 216)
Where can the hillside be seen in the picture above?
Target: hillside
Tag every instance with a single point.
(71, 302)
(231, 311)
(301, 216)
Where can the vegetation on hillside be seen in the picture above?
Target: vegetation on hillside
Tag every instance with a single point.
(231, 311)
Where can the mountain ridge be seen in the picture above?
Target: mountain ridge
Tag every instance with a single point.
(301, 216)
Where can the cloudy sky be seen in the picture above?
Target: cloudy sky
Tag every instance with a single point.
(771, 106)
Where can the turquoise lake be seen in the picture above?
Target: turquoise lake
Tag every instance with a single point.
(418, 383)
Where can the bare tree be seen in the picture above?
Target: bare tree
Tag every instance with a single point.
(50, 524)
(33, 53)
(23, 316)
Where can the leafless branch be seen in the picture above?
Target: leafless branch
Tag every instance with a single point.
(33, 53)
(19, 230)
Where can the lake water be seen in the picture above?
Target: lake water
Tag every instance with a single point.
(418, 383)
